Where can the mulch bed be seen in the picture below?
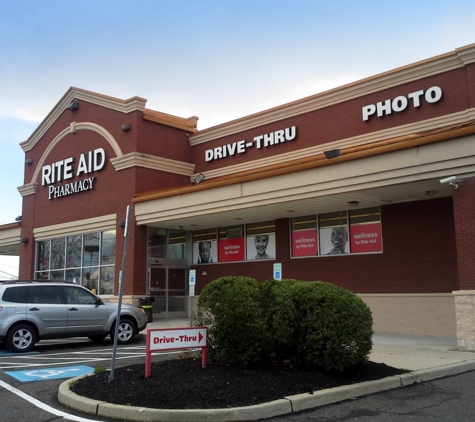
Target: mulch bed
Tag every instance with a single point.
(184, 384)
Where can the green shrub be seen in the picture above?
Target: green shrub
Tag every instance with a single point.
(280, 318)
(335, 326)
(316, 324)
(229, 307)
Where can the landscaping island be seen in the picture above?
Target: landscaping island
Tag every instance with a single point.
(184, 384)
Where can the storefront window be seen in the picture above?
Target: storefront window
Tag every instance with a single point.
(231, 246)
(90, 278)
(343, 232)
(177, 244)
(57, 275)
(157, 242)
(57, 253)
(87, 259)
(91, 249)
(304, 236)
(108, 247)
(163, 243)
(260, 240)
(42, 255)
(333, 233)
(205, 246)
(73, 275)
(365, 231)
(74, 249)
(107, 281)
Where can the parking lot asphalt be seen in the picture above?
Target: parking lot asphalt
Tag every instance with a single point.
(427, 358)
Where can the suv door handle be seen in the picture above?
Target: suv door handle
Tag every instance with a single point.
(34, 309)
(73, 309)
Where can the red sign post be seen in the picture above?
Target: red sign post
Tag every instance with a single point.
(170, 339)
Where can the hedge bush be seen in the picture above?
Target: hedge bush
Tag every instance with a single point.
(316, 324)
(229, 306)
(280, 318)
(335, 326)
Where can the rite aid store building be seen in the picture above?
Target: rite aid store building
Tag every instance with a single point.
(343, 187)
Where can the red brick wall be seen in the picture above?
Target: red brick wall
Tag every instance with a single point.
(464, 211)
(419, 256)
(113, 190)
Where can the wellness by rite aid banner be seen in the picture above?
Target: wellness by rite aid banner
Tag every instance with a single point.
(305, 243)
(366, 238)
(363, 238)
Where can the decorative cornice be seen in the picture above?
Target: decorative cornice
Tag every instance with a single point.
(188, 124)
(9, 235)
(433, 66)
(136, 159)
(28, 189)
(124, 106)
(73, 128)
(105, 222)
(9, 226)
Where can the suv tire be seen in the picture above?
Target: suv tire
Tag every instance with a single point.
(127, 331)
(21, 338)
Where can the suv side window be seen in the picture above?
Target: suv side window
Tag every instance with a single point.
(46, 294)
(78, 296)
(16, 294)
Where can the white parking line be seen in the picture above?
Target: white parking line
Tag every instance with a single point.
(66, 362)
(35, 360)
(44, 406)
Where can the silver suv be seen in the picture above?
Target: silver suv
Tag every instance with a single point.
(31, 310)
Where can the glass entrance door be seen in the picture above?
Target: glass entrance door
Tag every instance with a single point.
(167, 286)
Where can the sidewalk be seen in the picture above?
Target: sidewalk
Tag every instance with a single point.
(426, 357)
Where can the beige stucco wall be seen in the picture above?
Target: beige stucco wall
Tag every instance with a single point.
(465, 318)
(423, 314)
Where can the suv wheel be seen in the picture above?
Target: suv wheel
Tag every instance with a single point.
(21, 338)
(126, 332)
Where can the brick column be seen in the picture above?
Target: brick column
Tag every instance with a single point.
(464, 217)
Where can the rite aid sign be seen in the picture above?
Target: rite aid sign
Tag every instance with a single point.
(160, 340)
(54, 175)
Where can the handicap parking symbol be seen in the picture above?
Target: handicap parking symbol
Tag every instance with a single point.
(50, 373)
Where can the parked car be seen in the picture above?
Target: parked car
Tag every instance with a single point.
(32, 310)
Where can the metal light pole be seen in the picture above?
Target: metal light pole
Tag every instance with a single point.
(121, 275)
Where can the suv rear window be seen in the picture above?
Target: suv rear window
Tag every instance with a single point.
(16, 294)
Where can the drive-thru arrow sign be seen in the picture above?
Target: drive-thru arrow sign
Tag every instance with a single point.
(160, 339)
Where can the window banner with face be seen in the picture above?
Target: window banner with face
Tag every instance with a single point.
(231, 249)
(366, 238)
(334, 240)
(205, 252)
(261, 247)
(304, 243)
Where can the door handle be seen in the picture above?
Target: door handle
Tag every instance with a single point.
(73, 309)
(34, 309)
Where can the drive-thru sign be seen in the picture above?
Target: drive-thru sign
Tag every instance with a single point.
(164, 339)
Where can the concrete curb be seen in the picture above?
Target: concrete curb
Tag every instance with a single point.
(283, 406)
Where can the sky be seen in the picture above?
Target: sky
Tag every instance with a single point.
(216, 59)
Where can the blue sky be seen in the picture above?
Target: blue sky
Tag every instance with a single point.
(215, 59)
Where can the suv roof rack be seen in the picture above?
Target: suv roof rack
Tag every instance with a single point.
(35, 281)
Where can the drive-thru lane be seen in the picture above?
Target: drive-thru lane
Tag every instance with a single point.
(29, 382)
